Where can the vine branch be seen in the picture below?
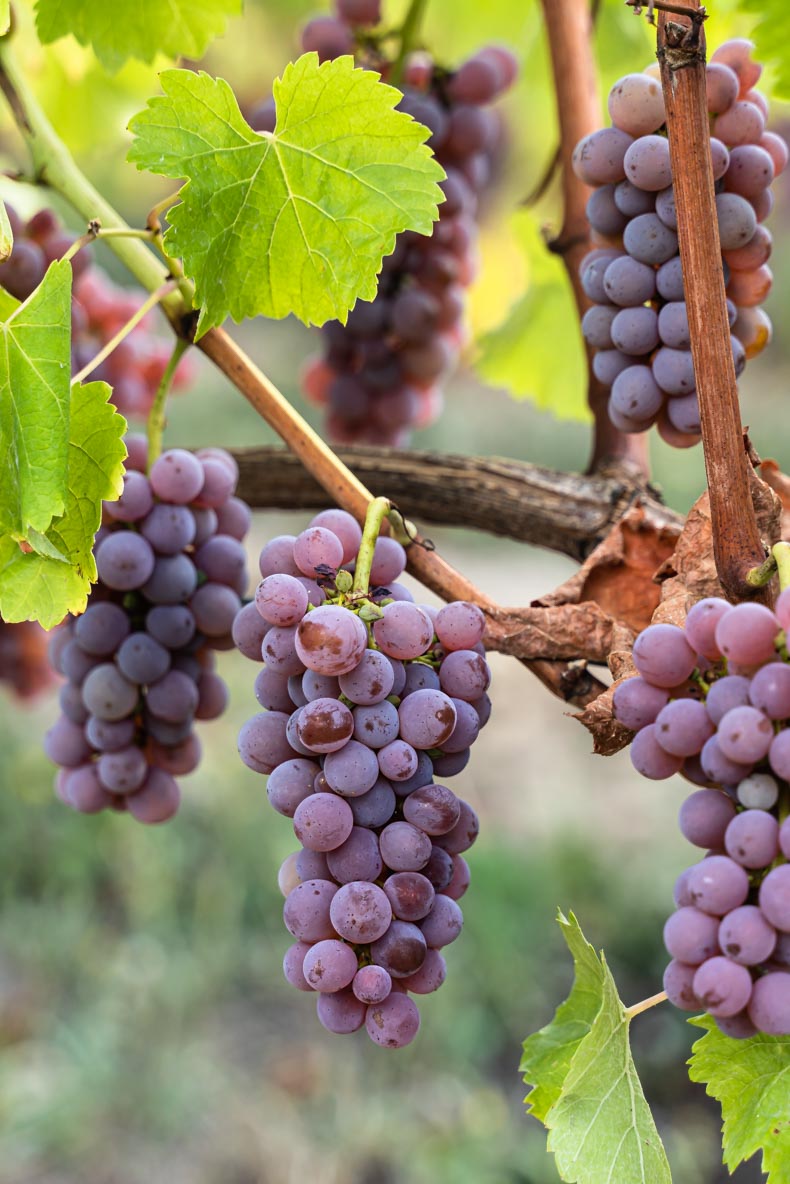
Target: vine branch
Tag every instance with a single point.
(737, 545)
(569, 26)
(564, 512)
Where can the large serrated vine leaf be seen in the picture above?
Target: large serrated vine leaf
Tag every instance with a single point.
(35, 364)
(586, 1085)
(751, 1080)
(136, 30)
(55, 578)
(298, 221)
(548, 1053)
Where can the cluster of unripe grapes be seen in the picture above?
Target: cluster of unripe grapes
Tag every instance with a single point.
(99, 309)
(381, 374)
(370, 703)
(138, 662)
(638, 323)
(712, 701)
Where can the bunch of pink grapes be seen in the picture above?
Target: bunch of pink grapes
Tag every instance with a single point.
(370, 703)
(712, 701)
(638, 321)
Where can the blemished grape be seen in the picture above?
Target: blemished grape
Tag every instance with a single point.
(746, 937)
(722, 986)
(393, 1023)
(354, 702)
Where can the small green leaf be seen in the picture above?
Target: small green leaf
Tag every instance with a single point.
(35, 364)
(537, 353)
(141, 29)
(39, 585)
(548, 1053)
(586, 1085)
(5, 16)
(751, 1080)
(298, 221)
(6, 233)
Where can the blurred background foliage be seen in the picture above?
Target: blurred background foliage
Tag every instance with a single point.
(146, 1034)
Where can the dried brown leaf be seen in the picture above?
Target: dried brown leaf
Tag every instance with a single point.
(618, 574)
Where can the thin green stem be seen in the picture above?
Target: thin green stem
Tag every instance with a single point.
(96, 232)
(152, 221)
(156, 416)
(155, 298)
(760, 576)
(409, 34)
(53, 165)
(378, 510)
(646, 1004)
(781, 555)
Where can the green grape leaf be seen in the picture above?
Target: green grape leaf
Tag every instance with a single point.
(55, 578)
(772, 38)
(292, 222)
(536, 353)
(141, 30)
(591, 1100)
(751, 1080)
(35, 364)
(548, 1053)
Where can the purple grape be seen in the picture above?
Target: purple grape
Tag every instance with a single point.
(393, 1023)
(648, 239)
(330, 640)
(124, 561)
(340, 1012)
(169, 529)
(107, 694)
(398, 761)
(173, 626)
(360, 912)
(376, 725)
(323, 822)
(682, 727)
(262, 741)
(722, 987)
(769, 1006)
(329, 966)
(679, 985)
(289, 784)
(306, 911)
(374, 808)
(401, 950)
(157, 801)
(691, 936)
(352, 771)
(358, 858)
(325, 725)
(143, 660)
(637, 702)
(663, 656)
(718, 885)
(752, 839)
(775, 897)
(744, 734)
(404, 847)
(628, 283)
(370, 681)
(65, 744)
(746, 937)
(433, 809)
(770, 690)
(177, 476)
(462, 835)
(747, 634)
(122, 771)
(293, 962)
(344, 527)
(646, 163)
(726, 693)
(372, 984)
(443, 924)
(650, 759)
(599, 159)
(705, 816)
(101, 629)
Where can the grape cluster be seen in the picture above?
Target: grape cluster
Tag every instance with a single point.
(712, 701)
(370, 702)
(638, 323)
(98, 310)
(139, 662)
(23, 658)
(381, 374)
